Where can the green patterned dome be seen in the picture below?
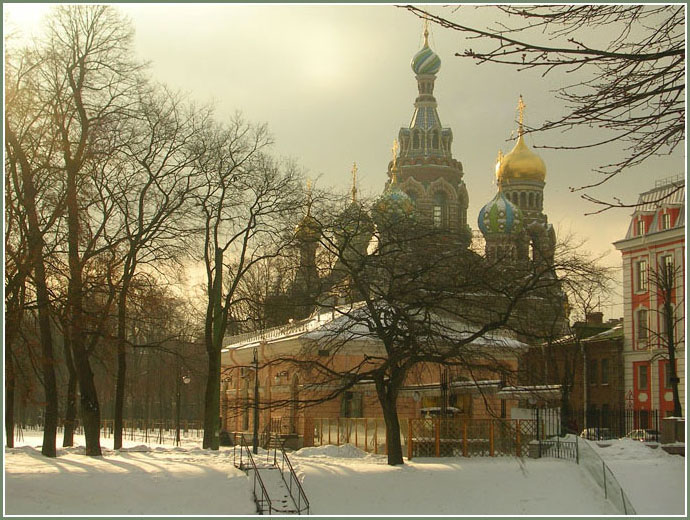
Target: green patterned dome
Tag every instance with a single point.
(393, 207)
(500, 216)
(426, 61)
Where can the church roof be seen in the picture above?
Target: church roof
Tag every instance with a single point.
(346, 323)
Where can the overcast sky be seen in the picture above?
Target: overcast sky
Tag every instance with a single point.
(334, 85)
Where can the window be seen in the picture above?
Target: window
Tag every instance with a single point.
(351, 404)
(641, 276)
(593, 376)
(642, 375)
(434, 141)
(666, 366)
(604, 371)
(415, 140)
(642, 326)
(666, 221)
(640, 227)
(440, 210)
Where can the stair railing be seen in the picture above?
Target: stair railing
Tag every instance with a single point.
(300, 500)
(263, 499)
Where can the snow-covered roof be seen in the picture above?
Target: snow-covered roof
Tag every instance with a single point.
(349, 323)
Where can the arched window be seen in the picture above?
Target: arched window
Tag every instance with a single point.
(538, 200)
(523, 200)
(440, 210)
(531, 199)
(434, 140)
(415, 140)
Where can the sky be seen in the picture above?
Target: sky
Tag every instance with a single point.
(334, 85)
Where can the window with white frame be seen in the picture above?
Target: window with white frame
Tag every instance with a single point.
(640, 227)
(642, 377)
(666, 221)
(641, 276)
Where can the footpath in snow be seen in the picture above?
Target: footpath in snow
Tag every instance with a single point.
(141, 480)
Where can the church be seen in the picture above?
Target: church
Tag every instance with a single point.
(424, 184)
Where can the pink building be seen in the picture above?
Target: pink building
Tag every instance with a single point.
(655, 240)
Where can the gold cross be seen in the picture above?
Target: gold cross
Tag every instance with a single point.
(521, 109)
(354, 181)
(426, 32)
(309, 197)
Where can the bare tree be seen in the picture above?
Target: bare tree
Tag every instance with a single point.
(627, 63)
(665, 281)
(245, 205)
(152, 196)
(397, 307)
(87, 84)
(33, 212)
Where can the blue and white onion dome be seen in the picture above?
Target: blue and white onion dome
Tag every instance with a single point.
(500, 216)
(426, 61)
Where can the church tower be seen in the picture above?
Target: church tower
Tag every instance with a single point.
(425, 169)
(520, 176)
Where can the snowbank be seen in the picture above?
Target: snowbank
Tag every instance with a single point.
(346, 451)
(653, 480)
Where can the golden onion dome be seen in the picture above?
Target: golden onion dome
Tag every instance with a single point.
(521, 164)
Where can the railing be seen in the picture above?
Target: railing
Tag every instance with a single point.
(264, 499)
(559, 449)
(603, 476)
(301, 502)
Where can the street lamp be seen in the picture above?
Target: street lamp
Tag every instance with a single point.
(255, 440)
(185, 380)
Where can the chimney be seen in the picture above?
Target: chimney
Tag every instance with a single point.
(595, 318)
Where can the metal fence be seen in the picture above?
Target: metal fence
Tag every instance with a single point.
(368, 434)
(605, 478)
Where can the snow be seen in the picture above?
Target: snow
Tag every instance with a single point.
(653, 480)
(338, 480)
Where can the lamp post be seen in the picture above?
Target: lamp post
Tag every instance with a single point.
(255, 440)
(185, 380)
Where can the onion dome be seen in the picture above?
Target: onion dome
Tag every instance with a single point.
(309, 229)
(500, 216)
(426, 61)
(393, 207)
(521, 164)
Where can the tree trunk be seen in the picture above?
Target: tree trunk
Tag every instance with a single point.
(89, 407)
(35, 248)
(671, 345)
(215, 328)
(9, 396)
(388, 395)
(121, 364)
(71, 404)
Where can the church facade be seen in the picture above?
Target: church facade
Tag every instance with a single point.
(422, 177)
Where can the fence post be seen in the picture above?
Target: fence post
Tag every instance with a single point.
(366, 435)
(355, 421)
(517, 439)
(577, 450)
(376, 436)
(437, 435)
(329, 429)
(464, 438)
(409, 439)
(491, 438)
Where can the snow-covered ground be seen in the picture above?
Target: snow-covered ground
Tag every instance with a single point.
(653, 480)
(141, 480)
